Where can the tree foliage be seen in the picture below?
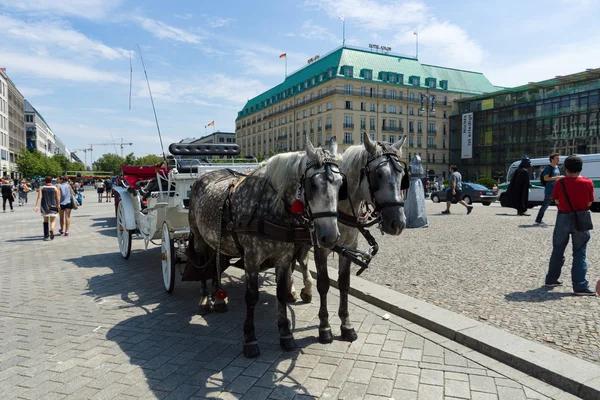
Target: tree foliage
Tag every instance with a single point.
(150, 159)
(487, 182)
(32, 164)
(62, 160)
(109, 163)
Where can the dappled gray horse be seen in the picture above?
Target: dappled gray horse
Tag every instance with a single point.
(223, 205)
(375, 176)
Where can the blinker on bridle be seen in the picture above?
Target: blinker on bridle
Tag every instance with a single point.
(328, 163)
(398, 165)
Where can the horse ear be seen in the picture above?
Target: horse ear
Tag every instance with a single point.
(310, 149)
(333, 146)
(398, 145)
(369, 145)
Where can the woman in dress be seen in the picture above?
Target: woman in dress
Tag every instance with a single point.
(67, 196)
(23, 190)
(49, 199)
(100, 189)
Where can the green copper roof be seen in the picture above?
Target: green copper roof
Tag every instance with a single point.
(377, 63)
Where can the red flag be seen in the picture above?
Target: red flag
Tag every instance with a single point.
(284, 55)
(3, 69)
(416, 32)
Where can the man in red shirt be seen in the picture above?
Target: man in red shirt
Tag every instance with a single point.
(581, 195)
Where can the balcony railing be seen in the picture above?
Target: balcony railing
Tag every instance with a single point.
(319, 129)
(348, 141)
(349, 126)
(371, 128)
(432, 131)
(363, 126)
(312, 130)
(328, 127)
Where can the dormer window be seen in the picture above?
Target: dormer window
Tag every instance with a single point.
(329, 73)
(299, 87)
(368, 74)
(444, 84)
(415, 81)
(348, 72)
(384, 76)
(393, 78)
(321, 77)
(430, 82)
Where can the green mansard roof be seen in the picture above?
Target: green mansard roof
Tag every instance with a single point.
(363, 62)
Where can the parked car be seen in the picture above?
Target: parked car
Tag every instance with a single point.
(471, 193)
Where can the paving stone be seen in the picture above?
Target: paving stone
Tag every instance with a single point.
(360, 375)
(458, 389)
(408, 382)
(257, 393)
(482, 384)
(483, 396)
(380, 387)
(509, 393)
(432, 377)
(241, 384)
(398, 394)
(352, 391)
(428, 392)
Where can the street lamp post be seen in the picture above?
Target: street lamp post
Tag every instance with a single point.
(430, 100)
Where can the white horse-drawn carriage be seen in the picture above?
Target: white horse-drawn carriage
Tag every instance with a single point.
(152, 202)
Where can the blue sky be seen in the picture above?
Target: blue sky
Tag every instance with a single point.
(70, 58)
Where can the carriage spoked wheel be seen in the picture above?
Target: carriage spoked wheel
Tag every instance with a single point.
(167, 248)
(123, 234)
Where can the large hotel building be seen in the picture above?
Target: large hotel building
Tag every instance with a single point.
(350, 91)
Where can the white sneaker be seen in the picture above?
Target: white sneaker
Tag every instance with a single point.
(542, 224)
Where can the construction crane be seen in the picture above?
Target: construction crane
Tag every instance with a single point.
(84, 154)
(108, 144)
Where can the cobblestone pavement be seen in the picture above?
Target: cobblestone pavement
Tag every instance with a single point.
(490, 265)
(77, 321)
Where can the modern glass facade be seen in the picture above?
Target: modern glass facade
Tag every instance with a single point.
(560, 114)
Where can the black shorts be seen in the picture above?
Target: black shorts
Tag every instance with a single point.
(66, 206)
(454, 198)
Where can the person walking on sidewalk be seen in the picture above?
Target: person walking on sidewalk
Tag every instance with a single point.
(550, 175)
(517, 194)
(49, 200)
(23, 190)
(454, 193)
(100, 189)
(7, 195)
(67, 196)
(580, 192)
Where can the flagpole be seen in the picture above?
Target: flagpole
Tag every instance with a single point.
(286, 65)
(417, 34)
(344, 32)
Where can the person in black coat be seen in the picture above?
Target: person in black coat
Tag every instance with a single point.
(517, 194)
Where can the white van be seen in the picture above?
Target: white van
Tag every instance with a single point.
(591, 169)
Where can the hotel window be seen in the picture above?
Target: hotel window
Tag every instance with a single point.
(321, 78)
(371, 136)
(305, 84)
(419, 127)
(444, 158)
(363, 91)
(392, 78)
(411, 142)
(392, 139)
(363, 122)
(312, 81)
(348, 89)
(363, 106)
(411, 127)
(411, 111)
(328, 121)
(415, 81)
(430, 142)
(312, 111)
(372, 124)
(372, 92)
(348, 138)
(319, 124)
(393, 109)
(384, 93)
(419, 143)
(348, 105)
(384, 76)
(348, 122)
(411, 96)
(445, 114)
(298, 116)
(304, 114)
(328, 105)
(431, 127)
(445, 100)
(393, 94)
(299, 87)
(320, 109)
(399, 109)
(328, 91)
(330, 73)
(368, 75)
(348, 72)
(373, 107)
(400, 125)
(383, 109)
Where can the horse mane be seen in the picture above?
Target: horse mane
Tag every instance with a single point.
(356, 156)
(284, 170)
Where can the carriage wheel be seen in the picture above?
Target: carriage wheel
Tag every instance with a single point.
(168, 259)
(123, 234)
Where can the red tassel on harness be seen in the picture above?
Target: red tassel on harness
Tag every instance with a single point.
(297, 207)
(221, 294)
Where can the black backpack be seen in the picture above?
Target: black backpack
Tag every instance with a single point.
(542, 181)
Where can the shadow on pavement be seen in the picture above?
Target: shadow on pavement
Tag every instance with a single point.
(108, 222)
(27, 239)
(537, 295)
(181, 353)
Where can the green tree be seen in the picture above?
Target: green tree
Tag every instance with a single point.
(150, 159)
(130, 159)
(76, 166)
(487, 182)
(29, 163)
(51, 167)
(109, 163)
(62, 160)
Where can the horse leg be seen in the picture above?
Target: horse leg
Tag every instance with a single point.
(325, 335)
(282, 273)
(220, 305)
(251, 349)
(292, 296)
(204, 307)
(348, 333)
(306, 292)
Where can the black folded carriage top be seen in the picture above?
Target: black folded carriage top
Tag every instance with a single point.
(204, 149)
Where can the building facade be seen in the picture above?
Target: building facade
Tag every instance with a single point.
(560, 114)
(16, 125)
(350, 91)
(38, 133)
(4, 158)
(216, 137)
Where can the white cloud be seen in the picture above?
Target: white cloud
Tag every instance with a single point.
(89, 9)
(48, 67)
(216, 22)
(315, 32)
(164, 31)
(562, 60)
(45, 34)
(373, 14)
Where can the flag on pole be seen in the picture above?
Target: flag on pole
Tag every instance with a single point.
(416, 32)
(342, 17)
(284, 55)
(3, 69)
(211, 124)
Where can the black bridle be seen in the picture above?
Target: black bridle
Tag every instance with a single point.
(331, 167)
(367, 171)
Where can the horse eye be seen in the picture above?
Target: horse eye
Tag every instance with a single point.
(313, 187)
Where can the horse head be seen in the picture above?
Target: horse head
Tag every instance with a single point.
(322, 181)
(385, 179)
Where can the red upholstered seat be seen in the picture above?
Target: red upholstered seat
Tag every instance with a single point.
(133, 174)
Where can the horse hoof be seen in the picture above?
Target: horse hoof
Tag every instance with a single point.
(221, 307)
(292, 297)
(325, 337)
(251, 350)
(349, 335)
(307, 298)
(288, 343)
(205, 309)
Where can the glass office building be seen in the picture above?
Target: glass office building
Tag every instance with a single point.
(489, 132)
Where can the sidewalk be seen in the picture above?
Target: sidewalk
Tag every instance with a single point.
(77, 321)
